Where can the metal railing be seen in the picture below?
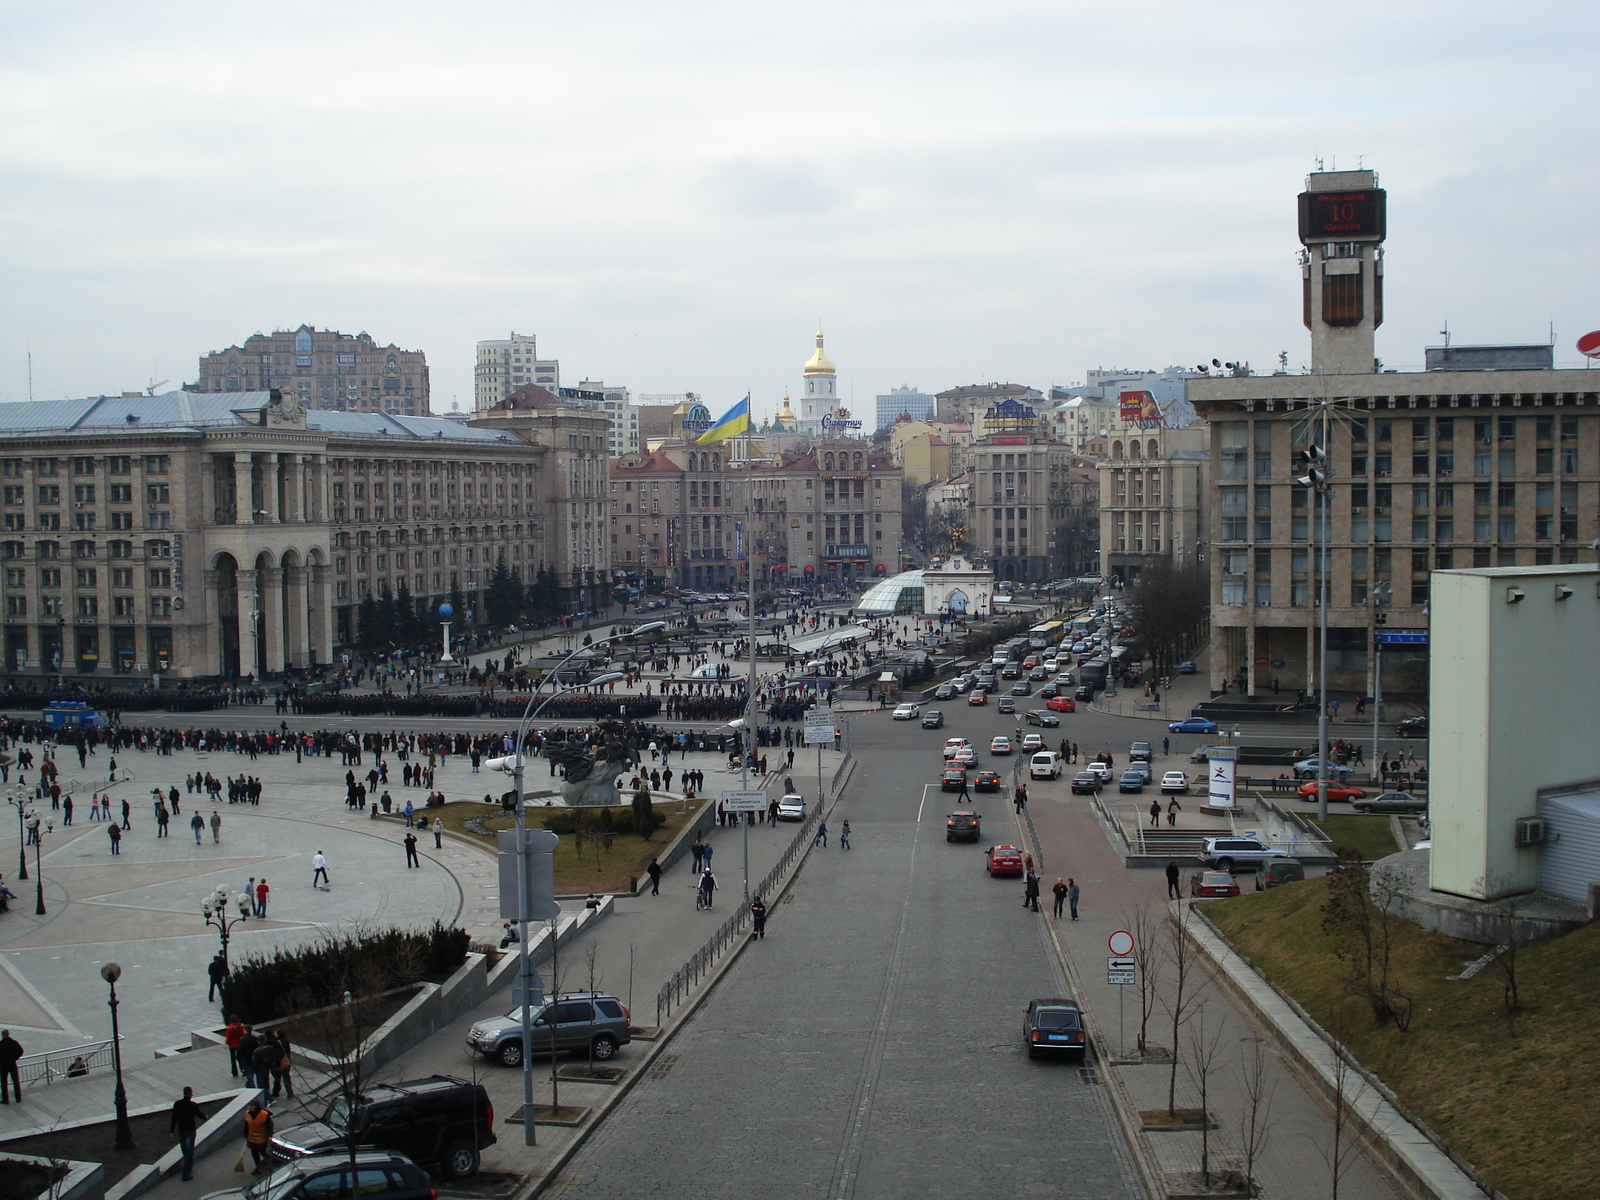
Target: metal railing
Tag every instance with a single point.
(702, 960)
(70, 1062)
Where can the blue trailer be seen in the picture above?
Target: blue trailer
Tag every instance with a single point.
(72, 714)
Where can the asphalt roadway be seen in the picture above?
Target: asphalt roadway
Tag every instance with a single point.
(871, 1045)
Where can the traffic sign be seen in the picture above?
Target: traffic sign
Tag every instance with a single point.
(819, 727)
(1403, 637)
(737, 801)
(1119, 963)
(1120, 943)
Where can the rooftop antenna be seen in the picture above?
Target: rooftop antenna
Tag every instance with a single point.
(1445, 333)
(30, 371)
(1319, 162)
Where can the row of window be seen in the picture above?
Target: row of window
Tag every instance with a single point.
(116, 464)
(85, 549)
(88, 607)
(87, 577)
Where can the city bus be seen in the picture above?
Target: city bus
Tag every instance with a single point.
(1093, 673)
(1042, 637)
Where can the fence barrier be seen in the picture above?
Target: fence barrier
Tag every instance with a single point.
(66, 1063)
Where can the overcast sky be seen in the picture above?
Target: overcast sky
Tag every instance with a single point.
(671, 195)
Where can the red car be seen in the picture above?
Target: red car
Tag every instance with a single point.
(1003, 860)
(1061, 704)
(1213, 883)
(978, 699)
(1336, 791)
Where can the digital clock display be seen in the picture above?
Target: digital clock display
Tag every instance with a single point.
(1342, 216)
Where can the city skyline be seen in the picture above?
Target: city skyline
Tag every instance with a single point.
(1020, 193)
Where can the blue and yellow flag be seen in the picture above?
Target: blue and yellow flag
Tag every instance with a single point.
(731, 424)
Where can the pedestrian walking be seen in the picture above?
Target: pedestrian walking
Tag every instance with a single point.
(10, 1055)
(411, 851)
(758, 918)
(261, 897)
(1155, 813)
(1172, 881)
(127, 815)
(198, 824)
(654, 871)
(185, 1119)
(66, 810)
(280, 1072)
(245, 1053)
(409, 810)
(708, 888)
(264, 1060)
(844, 836)
(319, 870)
(116, 838)
(162, 818)
(1060, 893)
(1166, 746)
(217, 971)
(822, 834)
(705, 855)
(216, 827)
(231, 1034)
(1173, 809)
(1030, 891)
(698, 849)
(1072, 897)
(257, 1133)
(1021, 797)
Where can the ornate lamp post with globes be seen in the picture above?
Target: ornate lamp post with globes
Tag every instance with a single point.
(215, 909)
(36, 831)
(16, 796)
(111, 972)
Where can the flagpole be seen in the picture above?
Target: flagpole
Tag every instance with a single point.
(750, 648)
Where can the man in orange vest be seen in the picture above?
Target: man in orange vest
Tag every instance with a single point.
(257, 1132)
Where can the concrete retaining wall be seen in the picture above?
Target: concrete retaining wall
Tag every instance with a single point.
(83, 1181)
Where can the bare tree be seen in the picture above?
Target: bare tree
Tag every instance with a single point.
(1188, 980)
(1341, 1150)
(554, 1012)
(1509, 911)
(1255, 1117)
(589, 956)
(1205, 1047)
(337, 1019)
(1150, 932)
(1363, 933)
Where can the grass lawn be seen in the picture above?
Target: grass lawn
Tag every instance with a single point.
(1357, 833)
(1513, 1097)
(582, 865)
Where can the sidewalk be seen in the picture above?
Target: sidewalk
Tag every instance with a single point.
(1293, 1164)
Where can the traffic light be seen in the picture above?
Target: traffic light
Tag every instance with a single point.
(1311, 467)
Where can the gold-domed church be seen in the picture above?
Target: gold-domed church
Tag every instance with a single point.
(821, 396)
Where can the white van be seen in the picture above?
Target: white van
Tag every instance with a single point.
(1045, 765)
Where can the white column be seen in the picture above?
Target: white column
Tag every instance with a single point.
(244, 501)
(248, 603)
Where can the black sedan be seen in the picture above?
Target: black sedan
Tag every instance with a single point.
(1085, 783)
(1042, 717)
(1413, 727)
(1053, 1026)
(1022, 688)
(932, 719)
(1403, 803)
(986, 781)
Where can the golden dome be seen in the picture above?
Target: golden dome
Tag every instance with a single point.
(819, 363)
(785, 413)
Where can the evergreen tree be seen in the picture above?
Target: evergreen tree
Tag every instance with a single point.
(644, 817)
(386, 633)
(368, 623)
(503, 598)
(406, 624)
(458, 602)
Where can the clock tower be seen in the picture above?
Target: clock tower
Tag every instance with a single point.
(1342, 226)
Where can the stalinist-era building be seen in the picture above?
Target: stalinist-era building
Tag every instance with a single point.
(1487, 458)
(204, 536)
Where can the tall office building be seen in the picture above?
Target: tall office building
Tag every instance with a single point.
(327, 369)
(504, 366)
(906, 400)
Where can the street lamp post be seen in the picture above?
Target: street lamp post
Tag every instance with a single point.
(15, 797)
(215, 909)
(38, 830)
(111, 972)
(515, 764)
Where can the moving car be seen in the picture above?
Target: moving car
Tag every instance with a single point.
(1175, 783)
(1133, 780)
(1032, 741)
(1065, 679)
(953, 744)
(907, 712)
(1227, 853)
(1336, 791)
(1007, 705)
(962, 826)
(964, 757)
(1022, 688)
(1061, 704)
(1186, 668)
(1140, 752)
(1085, 783)
(444, 1121)
(1042, 717)
(1049, 692)
(1307, 768)
(1392, 802)
(379, 1174)
(1213, 883)
(1003, 860)
(1000, 744)
(1038, 674)
(1193, 725)
(1010, 671)
(978, 698)
(1412, 727)
(572, 1021)
(953, 779)
(1046, 764)
(1279, 871)
(1085, 692)
(1054, 1026)
(792, 807)
(944, 692)
(933, 719)
(986, 781)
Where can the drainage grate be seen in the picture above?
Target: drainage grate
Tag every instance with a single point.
(664, 1067)
(1089, 1075)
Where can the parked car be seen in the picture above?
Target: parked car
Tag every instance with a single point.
(1145, 770)
(1336, 791)
(1140, 752)
(1279, 871)
(1046, 764)
(951, 745)
(907, 712)
(962, 826)
(1042, 717)
(953, 779)
(1228, 853)
(1193, 725)
(1085, 692)
(1175, 783)
(1412, 727)
(1133, 780)
(792, 807)
(1007, 705)
(1054, 1026)
(1061, 704)
(580, 1020)
(1099, 769)
(1003, 860)
(380, 1175)
(933, 719)
(444, 1121)
(1392, 802)
(986, 781)
(1085, 783)
(1213, 883)
(978, 697)
(1307, 768)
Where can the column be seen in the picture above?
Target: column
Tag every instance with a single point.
(294, 617)
(269, 582)
(249, 619)
(244, 499)
(271, 479)
(1250, 658)
(210, 661)
(320, 616)
(1310, 673)
(317, 496)
(293, 489)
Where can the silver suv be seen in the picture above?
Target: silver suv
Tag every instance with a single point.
(1226, 853)
(586, 1022)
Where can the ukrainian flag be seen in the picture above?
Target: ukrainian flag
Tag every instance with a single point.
(731, 424)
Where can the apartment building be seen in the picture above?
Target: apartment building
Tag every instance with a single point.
(1028, 494)
(1153, 496)
(506, 364)
(344, 372)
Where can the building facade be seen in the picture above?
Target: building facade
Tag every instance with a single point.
(965, 405)
(344, 372)
(506, 364)
(204, 537)
(1025, 497)
(1153, 493)
(904, 401)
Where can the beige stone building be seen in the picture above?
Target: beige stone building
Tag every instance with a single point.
(1028, 493)
(347, 372)
(224, 536)
(1153, 498)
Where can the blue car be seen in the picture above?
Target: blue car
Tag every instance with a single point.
(1186, 668)
(1193, 725)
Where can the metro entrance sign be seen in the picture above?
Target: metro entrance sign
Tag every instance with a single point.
(742, 802)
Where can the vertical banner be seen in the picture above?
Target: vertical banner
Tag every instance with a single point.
(738, 540)
(1221, 786)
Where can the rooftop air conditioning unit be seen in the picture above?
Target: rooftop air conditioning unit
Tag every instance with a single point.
(1531, 831)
